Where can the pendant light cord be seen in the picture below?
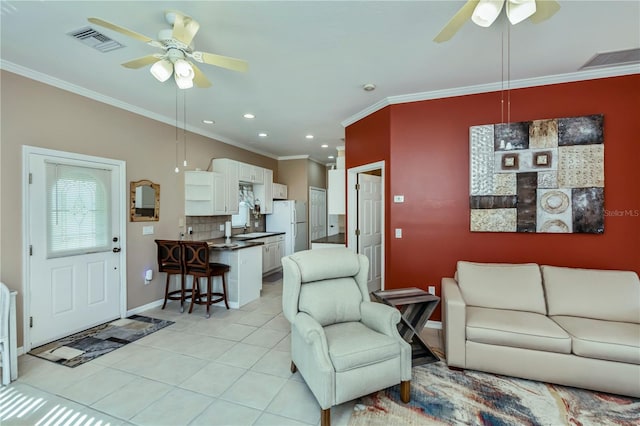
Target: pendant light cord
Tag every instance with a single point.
(177, 169)
(184, 114)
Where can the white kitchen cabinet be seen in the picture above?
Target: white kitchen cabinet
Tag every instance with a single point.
(279, 191)
(204, 193)
(264, 192)
(272, 252)
(336, 192)
(244, 279)
(250, 173)
(229, 168)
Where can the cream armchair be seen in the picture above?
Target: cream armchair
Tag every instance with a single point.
(344, 345)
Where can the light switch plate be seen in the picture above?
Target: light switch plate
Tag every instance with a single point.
(398, 232)
(222, 227)
(432, 289)
(398, 198)
(147, 230)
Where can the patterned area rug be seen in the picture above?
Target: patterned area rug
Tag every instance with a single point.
(86, 345)
(440, 396)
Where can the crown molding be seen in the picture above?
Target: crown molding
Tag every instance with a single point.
(293, 157)
(492, 87)
(69, 87)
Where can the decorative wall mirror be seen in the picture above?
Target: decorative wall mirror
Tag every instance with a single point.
(144, 201)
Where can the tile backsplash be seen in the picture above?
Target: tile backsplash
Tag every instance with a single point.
(208, 227)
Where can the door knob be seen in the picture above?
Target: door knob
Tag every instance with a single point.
(117, 249)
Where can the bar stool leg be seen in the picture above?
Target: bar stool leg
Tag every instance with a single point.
(194, 289)
(224, 291)
(182, 293)
(166, 291)
(209, 284)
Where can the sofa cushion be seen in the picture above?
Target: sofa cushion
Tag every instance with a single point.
(354, 345)
(591, 293)
(502, 286)
(519, 329)
(331, 301)
(610, 340)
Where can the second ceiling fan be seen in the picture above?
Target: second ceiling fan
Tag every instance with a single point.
(485, 12)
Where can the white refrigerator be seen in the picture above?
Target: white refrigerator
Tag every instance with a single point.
(290, 216)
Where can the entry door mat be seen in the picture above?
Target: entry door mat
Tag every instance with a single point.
(84, 346)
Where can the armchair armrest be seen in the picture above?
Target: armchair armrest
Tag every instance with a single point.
(455, 320)
(313, 336)
(381, 318)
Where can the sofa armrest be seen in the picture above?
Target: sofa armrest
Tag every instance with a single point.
(454, 310)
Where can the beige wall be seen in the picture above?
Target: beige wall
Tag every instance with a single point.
(39, 115)
(293, 173)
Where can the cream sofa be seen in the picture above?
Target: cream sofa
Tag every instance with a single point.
(575, 327)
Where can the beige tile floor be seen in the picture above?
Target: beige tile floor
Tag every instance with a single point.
(231, 369)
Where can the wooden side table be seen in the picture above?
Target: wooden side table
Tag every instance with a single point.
(415, 306)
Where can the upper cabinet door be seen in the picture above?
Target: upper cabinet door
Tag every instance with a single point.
(204, 193)
(250, 173)
(229, 168)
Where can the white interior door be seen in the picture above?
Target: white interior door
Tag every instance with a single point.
(317, 213)
(370, 226)
(73, 233)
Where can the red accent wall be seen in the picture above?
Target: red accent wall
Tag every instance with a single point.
(426, 146)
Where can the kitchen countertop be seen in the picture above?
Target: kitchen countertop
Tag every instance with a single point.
(332, 239)
(237, 242)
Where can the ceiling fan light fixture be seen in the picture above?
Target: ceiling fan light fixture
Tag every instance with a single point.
(486, 12)
(162, 70)
(183, 82)
(183, 69)
(519, 10)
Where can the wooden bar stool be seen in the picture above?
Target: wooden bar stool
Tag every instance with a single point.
(170, 262)
(195, 255)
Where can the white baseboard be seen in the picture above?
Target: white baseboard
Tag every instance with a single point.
(139, 309)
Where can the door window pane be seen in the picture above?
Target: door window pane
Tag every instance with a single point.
(78, 210)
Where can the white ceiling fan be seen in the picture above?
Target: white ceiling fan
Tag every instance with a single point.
(485, 12)
(177, 44)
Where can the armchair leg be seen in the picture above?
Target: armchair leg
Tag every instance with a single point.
(325, 417)
(405, 391)
(293, 367)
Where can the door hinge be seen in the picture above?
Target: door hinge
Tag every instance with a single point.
(357, 187)
(30, 322)
(30, 178)
(30, 250)
(357, 232)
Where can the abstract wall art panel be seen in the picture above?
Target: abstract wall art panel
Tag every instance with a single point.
(543, 176)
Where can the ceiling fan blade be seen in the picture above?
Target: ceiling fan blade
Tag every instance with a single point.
(199, 78)
(120, 29)
(141, 62)
(458, 20)
(184, 27)
(544, 10)
(220, 61)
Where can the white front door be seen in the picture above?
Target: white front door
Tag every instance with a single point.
(73, 232)
(317, 213)
(370, 226)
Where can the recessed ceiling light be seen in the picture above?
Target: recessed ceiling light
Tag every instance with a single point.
(208, 121)
(249, 115)
(331, 157)
(324, 146)
(369, 87)
(262, 135)
(309, 136)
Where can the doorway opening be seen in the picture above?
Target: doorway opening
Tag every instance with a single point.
(365, 218)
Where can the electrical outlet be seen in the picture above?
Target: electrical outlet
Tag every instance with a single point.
(190, 230)
(432, 289)
(398, 198)
(222, 227)
(398, 232)
(257, 224)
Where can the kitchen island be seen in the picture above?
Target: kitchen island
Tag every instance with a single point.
(243, 253)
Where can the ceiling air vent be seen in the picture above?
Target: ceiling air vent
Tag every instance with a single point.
(610, 59)
(95, 39)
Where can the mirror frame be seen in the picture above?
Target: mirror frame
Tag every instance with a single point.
(132, 201)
